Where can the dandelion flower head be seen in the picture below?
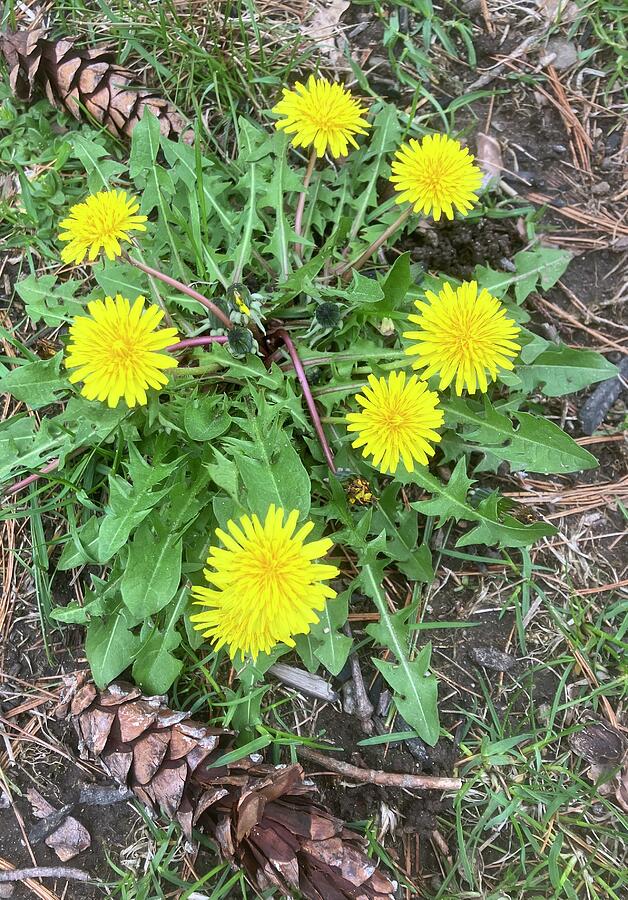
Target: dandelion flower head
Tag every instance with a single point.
(464, 336)
(398, 421)
(115, 351)
(266, 584)
(436, 176)
(100, 223)
(321, 113)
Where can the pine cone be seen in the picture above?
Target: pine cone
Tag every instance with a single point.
(262, 817)
(85, 79)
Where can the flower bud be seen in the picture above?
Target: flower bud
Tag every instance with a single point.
(240, 342)
(327, 315)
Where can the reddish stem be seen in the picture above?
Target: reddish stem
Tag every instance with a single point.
(198, 342)
(184, 288)
(307, 393)
(31, 479)
(298, 219)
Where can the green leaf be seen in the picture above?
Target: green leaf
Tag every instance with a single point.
(397, 282)
(100, 168)
(206, 417)
(269, 464)
(153, 571)
(129, 504)
(402, 528)
(333, 647)
(81, 546)
(118, 278)
(110, 647)
(22, 447)
(144, 144)
(47, 301)
(73, 614)
(564, 371)
(416, 693)
(538, 445)
(251, 367)
(36, 383)
(284, 180)
(155, 668)
(449, 501)
(371, 161)
(364, 290)
(543, 263)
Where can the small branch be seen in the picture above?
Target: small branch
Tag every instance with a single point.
(65, 872)
(31, 479)
(375, 776)
(298, 219)
(363, 705)
(307, 393)
(198, 342)
(345, 270)
(183, 288)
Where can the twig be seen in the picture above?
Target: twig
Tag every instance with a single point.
(68, 873)
(198, 342)
(497, 69)
(183, 288)
(375, 776)
(307, 393)
(298, 219)
(363, 705)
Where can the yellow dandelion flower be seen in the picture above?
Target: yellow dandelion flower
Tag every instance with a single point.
(267, 584)
(100, 223)
(462, 335)
(398, 421)
(115, 351)
(436, 175)
(324, 114)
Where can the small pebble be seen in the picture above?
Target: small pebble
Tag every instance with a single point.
(565, 53)
(492, 659)
(602, 187)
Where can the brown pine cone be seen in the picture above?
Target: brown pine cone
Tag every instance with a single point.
(85, 80)
(262, 817)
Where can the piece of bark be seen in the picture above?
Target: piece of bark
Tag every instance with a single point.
(594, 410)
(492, 659)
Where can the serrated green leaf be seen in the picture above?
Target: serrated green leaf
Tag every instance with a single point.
(416, 694)
(144, 143)
(373, 160)
(364, 290)
(118, 278)
(129, 504)
(333, 647)
(97, 162)
(564, 371)
(546, 264)
(206, 417)
(49, 302)
(36, 383)
(401, 527)
(449, 501)
(155, 668)
(110, 647)
(397, 282)
(153, 571)
(269, 465)
(537, 445)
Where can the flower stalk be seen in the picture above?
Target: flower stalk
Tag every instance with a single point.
(31, 479)
(198, 342)
(344, 272)
(307, 393)
(298, 219)
(183, 288)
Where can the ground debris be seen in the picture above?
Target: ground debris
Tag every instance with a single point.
(61, 832)
(596, 407)
(492, 659)
(606, 750)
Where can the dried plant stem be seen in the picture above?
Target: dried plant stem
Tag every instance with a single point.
(184, 288)
(345, 270)
(375, 776)
(31, 479)
(66, 872)
(298, 219)
(198, 342)
(307, 393)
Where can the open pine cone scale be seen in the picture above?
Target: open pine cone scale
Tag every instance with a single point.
(262, 817)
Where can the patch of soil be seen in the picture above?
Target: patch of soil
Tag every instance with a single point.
(457, 247)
